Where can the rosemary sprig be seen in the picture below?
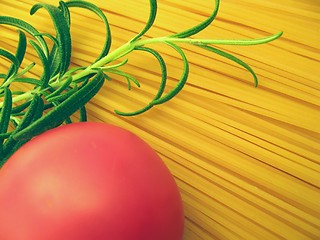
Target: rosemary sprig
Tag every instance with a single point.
(61, 91)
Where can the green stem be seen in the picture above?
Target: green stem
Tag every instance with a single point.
(26, 95)
(114, 55)
(130, 46)
(244, 42)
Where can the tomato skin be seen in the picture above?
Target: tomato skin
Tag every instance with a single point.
(88, 181)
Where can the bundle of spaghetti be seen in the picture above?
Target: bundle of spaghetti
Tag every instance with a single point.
(246, 160)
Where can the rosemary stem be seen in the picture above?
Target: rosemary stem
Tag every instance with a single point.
(112, 56)
(26, 95)
(243, 42)
(130, 46)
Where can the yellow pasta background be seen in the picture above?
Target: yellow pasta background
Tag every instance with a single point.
(246, 160)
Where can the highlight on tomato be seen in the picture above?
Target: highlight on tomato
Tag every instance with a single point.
(88, 181)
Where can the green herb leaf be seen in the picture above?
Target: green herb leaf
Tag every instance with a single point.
(25, 70)
(181, 82)
(162, 83)
(34, 112)
(46, 68)
(65, 11)
(15, 62)
(35, 107)
(100, 14)
(128, 77)
(22, 46)
(5, 114)
(54, 60)
(232, 58)
(18, 109)
(59, 90)
(59, 114)
(194, 30)
(162, 66)
(32, 81)
(63, 96)
(26, 27)
(152, 17)
(63, 33)
(20, 52)
(83, 114)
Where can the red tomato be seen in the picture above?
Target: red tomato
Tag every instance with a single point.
(88, 181)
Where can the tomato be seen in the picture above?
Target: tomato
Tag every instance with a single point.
(88, 181)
